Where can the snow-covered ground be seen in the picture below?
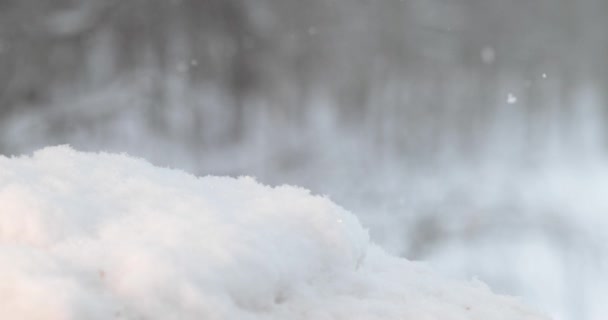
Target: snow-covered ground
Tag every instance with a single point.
(106, 236)
(528, 217)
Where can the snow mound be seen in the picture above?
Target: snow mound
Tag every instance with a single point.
(103, 236)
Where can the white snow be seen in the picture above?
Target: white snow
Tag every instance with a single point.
(104, 236)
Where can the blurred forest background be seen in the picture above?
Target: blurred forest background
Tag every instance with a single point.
(468, 133)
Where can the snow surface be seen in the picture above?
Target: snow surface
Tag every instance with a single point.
(104, 236)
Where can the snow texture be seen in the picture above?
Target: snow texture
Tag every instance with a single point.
(104, 236)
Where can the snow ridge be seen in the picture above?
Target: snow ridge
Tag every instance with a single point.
(106, 236)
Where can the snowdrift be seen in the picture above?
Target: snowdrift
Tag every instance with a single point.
(103, 236)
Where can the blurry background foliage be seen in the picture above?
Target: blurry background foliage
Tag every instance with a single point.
(469, 133)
